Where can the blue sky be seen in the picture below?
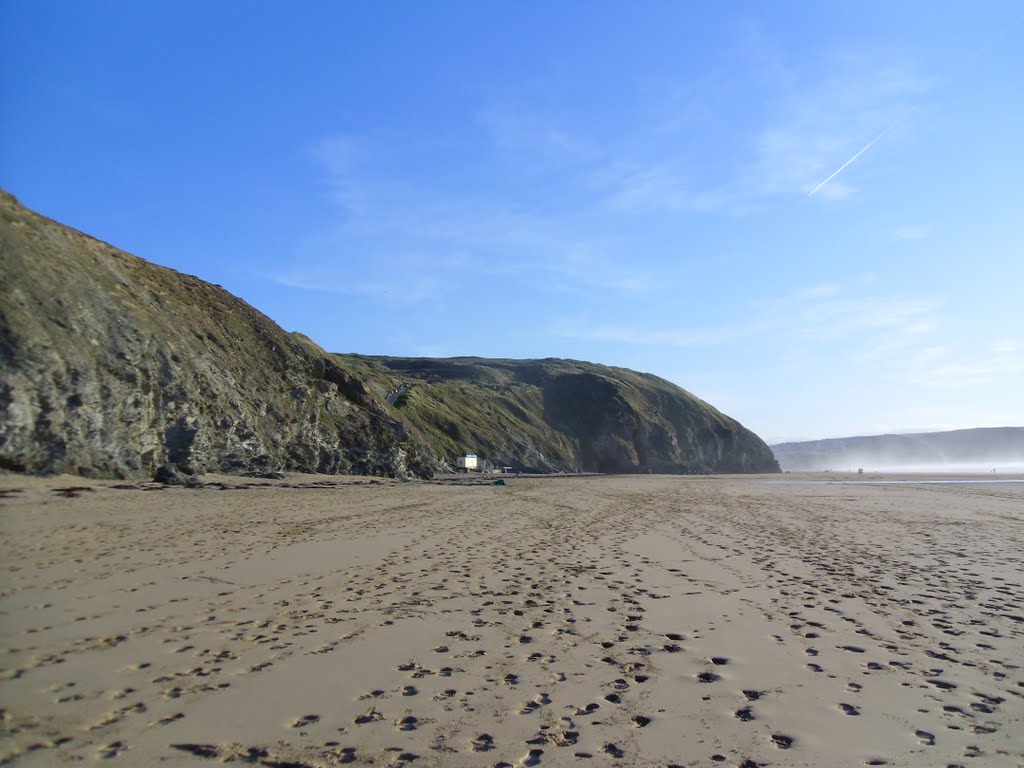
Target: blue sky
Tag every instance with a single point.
(637, 184)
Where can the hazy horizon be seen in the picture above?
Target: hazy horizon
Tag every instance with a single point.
(889, 433)
(1011, 466)
(962, 451)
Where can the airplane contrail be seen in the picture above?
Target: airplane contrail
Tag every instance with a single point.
(863, 149)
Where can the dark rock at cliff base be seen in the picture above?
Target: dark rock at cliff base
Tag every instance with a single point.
(168, 474)
(115, 367)
(265, 475)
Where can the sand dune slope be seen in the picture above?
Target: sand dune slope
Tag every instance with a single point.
(630, 621)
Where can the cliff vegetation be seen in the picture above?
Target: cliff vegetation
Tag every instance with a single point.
(115, 367)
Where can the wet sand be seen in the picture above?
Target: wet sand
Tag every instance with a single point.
(600, 621)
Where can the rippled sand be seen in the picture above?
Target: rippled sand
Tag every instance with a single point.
(631, 621)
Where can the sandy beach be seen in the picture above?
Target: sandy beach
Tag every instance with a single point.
(629, 621)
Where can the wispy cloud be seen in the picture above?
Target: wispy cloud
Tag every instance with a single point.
(820, 314)
(849, 162)
(806, 135)
(571, 217)
(654, 187)
(674, 338)
(824, 125)
(821, 291)
(522, 131)
(910, 233)
(400, 289)
(835, 318)
(586, 266)
(943, 368)
(393, 224)
(341, 157)
(836, 191)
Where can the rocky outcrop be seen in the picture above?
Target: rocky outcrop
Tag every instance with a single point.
(112, 366)
(566, 415)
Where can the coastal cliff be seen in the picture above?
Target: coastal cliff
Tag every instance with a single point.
(115, 367)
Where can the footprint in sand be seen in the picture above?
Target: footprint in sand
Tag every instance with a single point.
(371, 715)
(613, 750)
(199, 750)
(926, 738)
(112, 750)
(850, 709)
(782, 741)
(483, 743)
(532, 757)
(529, 707)
(404, 759)
(168, 719)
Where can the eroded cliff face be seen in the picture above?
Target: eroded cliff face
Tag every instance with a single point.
(112, 366)
(567, 415)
